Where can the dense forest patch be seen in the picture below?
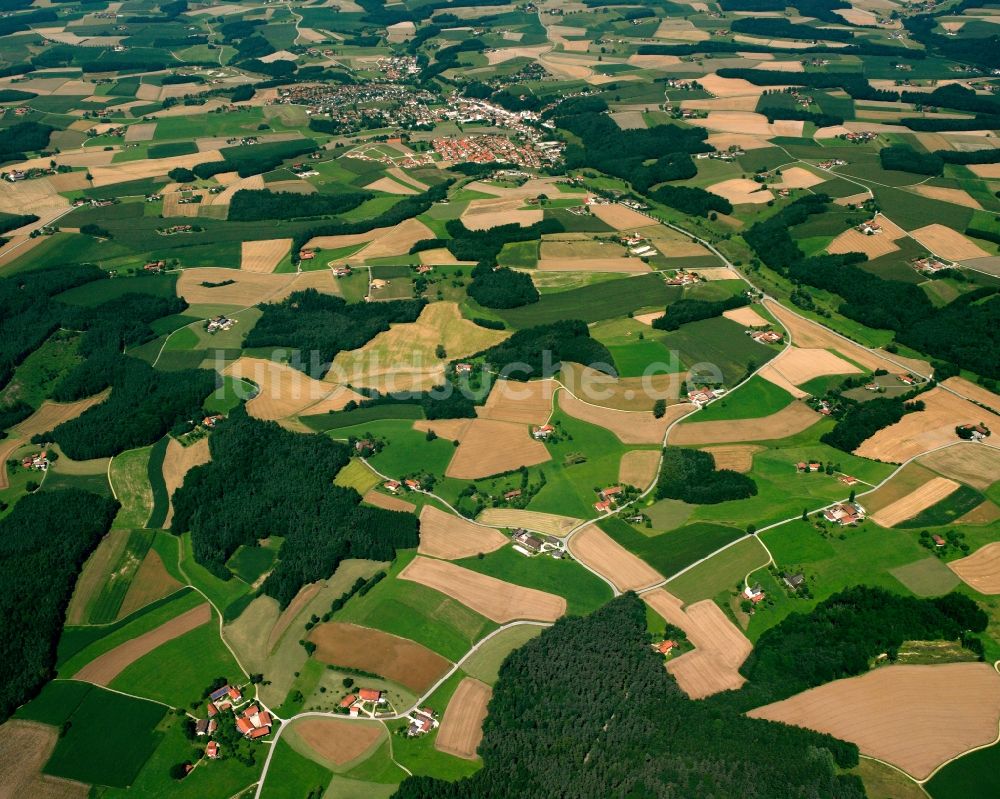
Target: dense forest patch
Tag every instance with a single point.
(690, 475)
(539, 351)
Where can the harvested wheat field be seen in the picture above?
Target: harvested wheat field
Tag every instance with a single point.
(536, 521)
(626, 394)
(790, 420)
(152, 581)
(806, 333)
(235, 184)
(596, 549)
(461, 727)
(745, 316)
(450, 429)
(631, 427)
(178, 460)
(990, 171)
(638, 467)
(747, 103)
(385, 241)
(793, 366)
(741, 191)
(403, 357)
(380, 500)
(285, 391)
(103, 669)
(947, 243)
(338, 741)
(914, 717)
(853, 240)
(723, 141)
(263, 256)
(450, 537)
(25, 747)
(247, 288)
(148, 168)
(398, 659)
(489, 213)
(48, 416)
(744, 122)
(720, 648)
(620, 217)
(925, 430)
(495, 599)
(981, 569)
(907, 507)
(622, 265)
(853, 199)
(507, 53)
(524, 403)
(738, 457)
(798, 178)
(302, 599)
(954, 196)
(390, 186)
(976, 393)
(490, 447)
(975, 464)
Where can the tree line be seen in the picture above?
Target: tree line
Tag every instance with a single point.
(689, 310)
(252, 205)
(536, 352)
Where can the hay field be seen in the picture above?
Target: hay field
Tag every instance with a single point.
(450, 537)
(384, 242)
(403, 357)
(548, 523)
(461, 727)
(742, 191)
(48, 416)
(490, 447)
(787, 422)
(39, 195)
(503, 54)
(483, 214)
(990, 171)
(947, 243)
(743, 122)
(974, 392)
(853, 240)
(793, 366)
(925, 430)
(380, 500)
(249, 288)
(806, 333)
(390, 186)
(907, 507)
(151, 582)
(148, 167)
(745, 316)
(495, 599)
(450, 429)
(631, 427)
(524, 403)
(720, 648)
(104, 668)
(671, 243)
(263, 256)
(954, 196)
(623, 265)
(627, 394)
(397, 659)
(638, 467)
(723, 141)
(595, 548)
(285, 391)
(975, 464)
(738, 457)
(981, 569)
(234, 183)
(798, 178)
(853, 199)
(178, 460)
(629, 120)
(914, 717)
(338, 741)
(25, 747)
(653, 61)
(620, 217)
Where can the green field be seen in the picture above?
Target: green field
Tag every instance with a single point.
(105, 607)
(946, 511)
(720, 573)
(672, 551)
(154, 473)
(975, 774)
(584, 592)
(129, 476)
(250, 562)
(292, 776)
(757, 397)
(485, 664)
(718, 347)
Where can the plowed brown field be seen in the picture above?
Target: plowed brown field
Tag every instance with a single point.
(447, 536)
(462, 725)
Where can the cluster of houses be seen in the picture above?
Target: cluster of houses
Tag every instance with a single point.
(607, 497)
(154, 267)
(303, 170)
(342, 271)
(754, 593)
(254, 723)
(96, 202)
(220, 322)
(765, 336)
(38, 461)
(870, 228)
(212, 421)
(394, 486)
(491, 148)
(366, 700)
(542, 432)
(971, 432)
(844, 513)
(665, 647)
(307, 254)
(860, 137)
(421, 722)
(808, 467)
(530, 544)
(832, 162)
(703, 395)
(174, 229)
(931, 265)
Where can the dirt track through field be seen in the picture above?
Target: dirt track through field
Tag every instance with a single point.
(178, 460)
(462, 724)
(909, 506)
(788, 421)
(103, 669)
(914, 717)
(547, 523)
(338, 741)
(720, 648)
(981, 569)
(490, 447)
(398, 659)
(925, 430)
(495, 599)
(444, 535)
(631, 427)
(606, 556)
